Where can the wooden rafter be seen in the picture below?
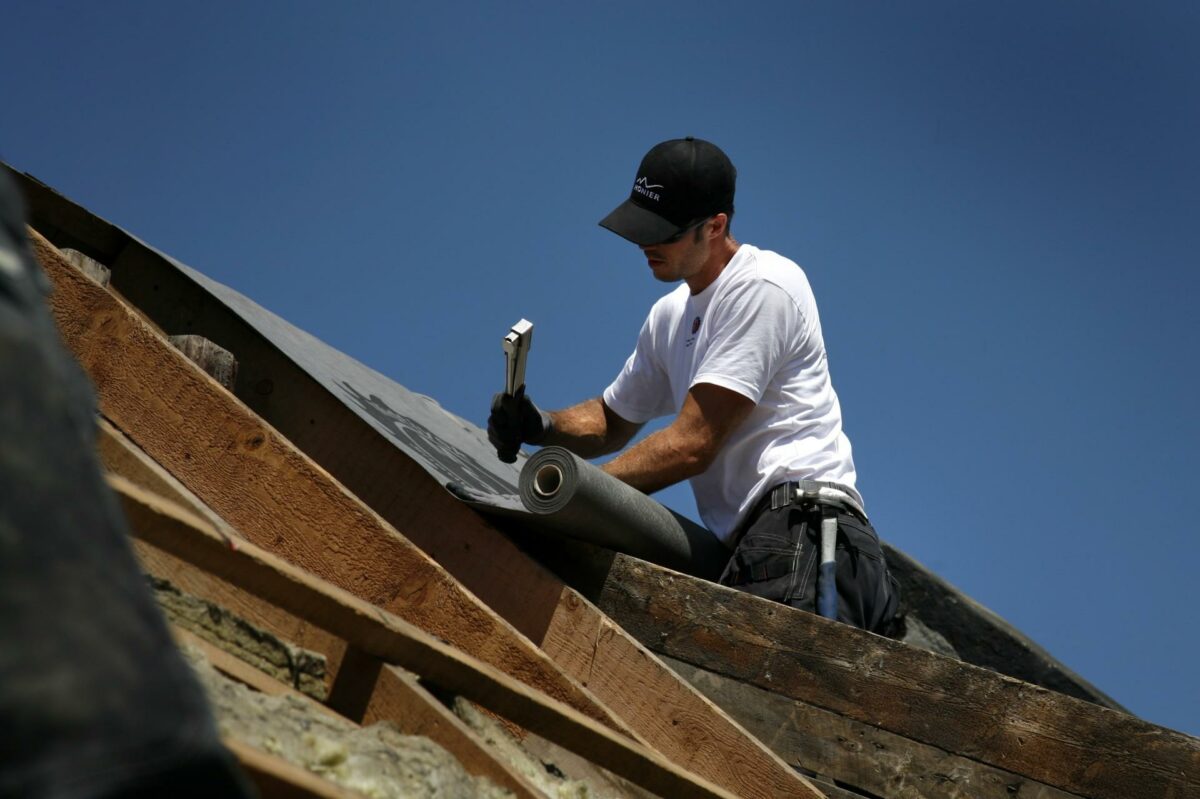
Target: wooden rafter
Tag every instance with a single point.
(396, 642)
(275, 496)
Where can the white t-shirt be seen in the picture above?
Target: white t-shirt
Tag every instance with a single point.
(754, 330)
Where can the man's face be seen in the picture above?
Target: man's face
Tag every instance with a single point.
(681, 259)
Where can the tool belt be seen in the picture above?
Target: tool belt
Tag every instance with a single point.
(810, 492)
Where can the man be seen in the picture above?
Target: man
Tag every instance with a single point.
(736, 353)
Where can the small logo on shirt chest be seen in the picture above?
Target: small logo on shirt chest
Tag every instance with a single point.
(690, 340)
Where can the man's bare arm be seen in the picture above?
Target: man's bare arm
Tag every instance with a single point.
(688, 446)
(590, 429)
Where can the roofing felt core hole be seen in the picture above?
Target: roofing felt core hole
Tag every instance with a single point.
(547, 480)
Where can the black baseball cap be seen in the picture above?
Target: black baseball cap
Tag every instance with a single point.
(679, 183)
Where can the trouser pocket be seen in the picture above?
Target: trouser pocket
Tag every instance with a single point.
(777, 559)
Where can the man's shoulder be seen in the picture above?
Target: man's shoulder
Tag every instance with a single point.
(756, 266)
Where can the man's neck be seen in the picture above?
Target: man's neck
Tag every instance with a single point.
(722, 253)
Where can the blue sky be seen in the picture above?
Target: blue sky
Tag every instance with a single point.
(995, 203)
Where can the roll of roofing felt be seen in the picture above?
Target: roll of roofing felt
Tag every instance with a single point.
(574, 498)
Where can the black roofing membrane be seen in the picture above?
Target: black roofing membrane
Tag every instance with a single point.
(590, 506)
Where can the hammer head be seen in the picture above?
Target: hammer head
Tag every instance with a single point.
(516, 349)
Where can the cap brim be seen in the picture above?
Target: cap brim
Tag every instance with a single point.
(633, 222)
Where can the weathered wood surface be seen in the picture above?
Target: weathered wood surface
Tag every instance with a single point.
(394, 641)
(258, 482)
(276, 778)
(89, 266)
(1064, 742)
(682, 724)
(217, 362)
(871, 760)
(982, 637)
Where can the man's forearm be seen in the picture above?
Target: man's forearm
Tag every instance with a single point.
(584, 429)
(662, 459)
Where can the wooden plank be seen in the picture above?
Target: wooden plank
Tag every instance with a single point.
(217, 362)
(982, 637)
(857, 755)
(1070, 744)
(89, 266)
(391, 639)
(239, 670)
(241, 602)
(397, 698)
(394, 694)
(120, 455)
(258, 482)
(276, 778)
(163, 409)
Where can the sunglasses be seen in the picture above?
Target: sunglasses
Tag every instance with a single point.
(685, 231)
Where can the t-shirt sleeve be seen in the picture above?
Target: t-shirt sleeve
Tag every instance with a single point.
(752, 338)
(642, 390)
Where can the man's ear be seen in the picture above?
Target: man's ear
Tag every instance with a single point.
(719, 229)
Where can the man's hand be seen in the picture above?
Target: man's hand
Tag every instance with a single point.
(515, 420)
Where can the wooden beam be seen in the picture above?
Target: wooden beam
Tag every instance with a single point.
(120, 455)
(969, 711)
(982, 637)
(240, 671)
(217, 362)
(274, 495)
(395, 694)
(391, 696)
(397, 698)
(391, 639)
(871, 760)
(278, 498)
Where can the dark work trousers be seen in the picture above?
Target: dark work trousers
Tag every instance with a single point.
(779, 554)
(95, 701)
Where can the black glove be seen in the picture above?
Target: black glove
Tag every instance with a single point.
(515, 420)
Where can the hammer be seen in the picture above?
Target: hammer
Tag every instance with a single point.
(516, 350)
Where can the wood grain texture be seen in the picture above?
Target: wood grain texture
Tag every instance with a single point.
(217, 362)
(257, 481)
(969, 711)
(604, 658)
(866, 758)
(389, 638)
